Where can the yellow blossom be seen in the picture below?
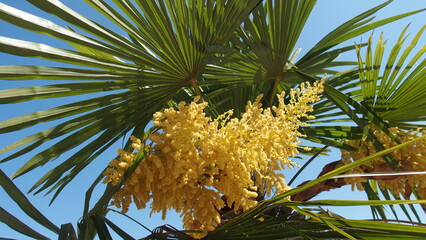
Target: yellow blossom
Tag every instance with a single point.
(409, 158)
(198, 165)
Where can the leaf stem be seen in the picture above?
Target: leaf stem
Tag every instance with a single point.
(195, 86)
(278, 78)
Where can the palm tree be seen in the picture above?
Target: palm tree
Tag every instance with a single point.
(227, 52)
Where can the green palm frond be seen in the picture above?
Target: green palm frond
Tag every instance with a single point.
(380, 87)
(264, 51)
(395, 88)
(345, 81)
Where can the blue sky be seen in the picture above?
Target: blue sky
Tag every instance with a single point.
(327, 15)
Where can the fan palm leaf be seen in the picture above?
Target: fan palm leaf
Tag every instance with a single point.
(395, 89)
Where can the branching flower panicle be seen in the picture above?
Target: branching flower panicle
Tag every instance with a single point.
(198, 165)
(410, 158)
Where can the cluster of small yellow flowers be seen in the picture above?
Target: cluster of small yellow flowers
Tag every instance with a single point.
(198, 165)
(118, 167)
(410, 158)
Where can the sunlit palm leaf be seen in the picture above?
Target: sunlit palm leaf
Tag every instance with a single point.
(60, 90)
(25, 72)
(265, 43)
(342, 82)
(395, 90)
(352, 28)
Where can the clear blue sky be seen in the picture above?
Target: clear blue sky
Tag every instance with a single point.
(327, 15)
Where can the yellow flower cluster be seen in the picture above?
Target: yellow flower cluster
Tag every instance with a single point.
(198, 165)
(410, 158)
